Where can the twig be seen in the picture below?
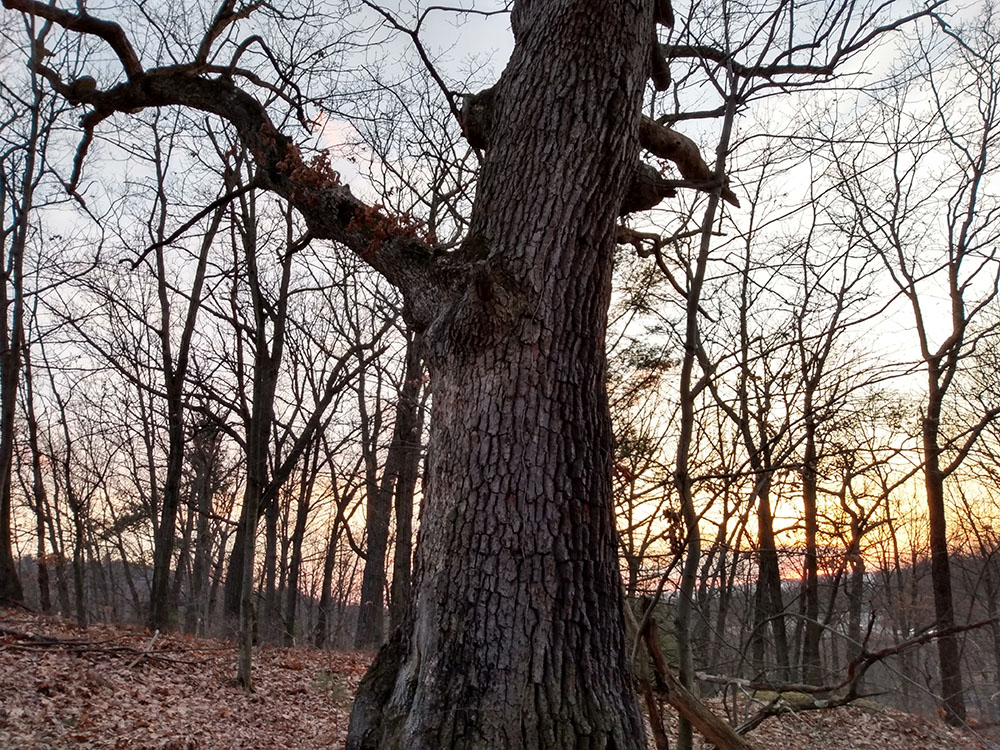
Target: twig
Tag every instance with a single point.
(145, 653)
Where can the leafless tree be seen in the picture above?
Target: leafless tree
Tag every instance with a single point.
(922, 177)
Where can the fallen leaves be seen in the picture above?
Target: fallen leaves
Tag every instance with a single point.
(69, 688)
(120, 688)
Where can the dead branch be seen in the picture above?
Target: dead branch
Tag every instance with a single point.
(655, 719)
(647, 187)
(26, 641)
(145, 652)
(713, 728)
(85, 23)
(397, 249)
(851, 680)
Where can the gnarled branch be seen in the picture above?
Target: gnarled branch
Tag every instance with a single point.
(392, 246)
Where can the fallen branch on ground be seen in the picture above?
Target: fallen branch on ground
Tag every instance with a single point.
(711, 726)
(31, 641)
(851, 681)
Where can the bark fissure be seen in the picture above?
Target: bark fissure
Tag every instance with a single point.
(516, 636)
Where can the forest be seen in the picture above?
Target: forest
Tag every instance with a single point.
(589, 362)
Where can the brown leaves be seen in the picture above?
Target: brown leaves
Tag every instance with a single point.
(184, 696)
(866, 727)
(861, 727)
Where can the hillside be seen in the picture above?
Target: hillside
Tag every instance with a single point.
(118, 687)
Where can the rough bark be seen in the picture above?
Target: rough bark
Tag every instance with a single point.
(516, 637)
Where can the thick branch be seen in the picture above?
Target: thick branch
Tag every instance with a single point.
(109, 31)
(713, 728)
(648, 187)
(646, 190)
(668, 144)
(392, 246)
(224, 17)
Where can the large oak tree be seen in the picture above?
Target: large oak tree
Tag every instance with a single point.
(514, 637)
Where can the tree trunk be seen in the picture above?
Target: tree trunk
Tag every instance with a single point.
(769, 607)
(56, 541)
(949, 661)
(37, 484)
(10, 582)
(203, 463)
(184, 563)
(174, 367)
(16, 201)
(516, 638)
(268, 623)
(79, 574)
(309, 470)
(378, 511)
(855, 595)
(163, 542)
(812, 669)
(410, 422)
(326, 591)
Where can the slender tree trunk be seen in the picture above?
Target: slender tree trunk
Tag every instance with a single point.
(10, 581)
(174, 372)
(272, 512)
(79, 574)
(769, 607)
(216, 579)
(689, 390)
(309, 469)
(855, 595)
(812, 668)
(516, 638)
(58, 547)
(722, 612)
(16, 196)
(326, 591)
(409, 419)
(184, 555)
(368, 634)
(256, 480)
(949, 658)
(265, 377)
(202, 461)
(37, 485)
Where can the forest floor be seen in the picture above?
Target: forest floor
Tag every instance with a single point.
(118, 687)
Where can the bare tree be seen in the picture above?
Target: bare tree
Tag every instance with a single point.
(28, 114)
(922, 178)
(515, 634)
